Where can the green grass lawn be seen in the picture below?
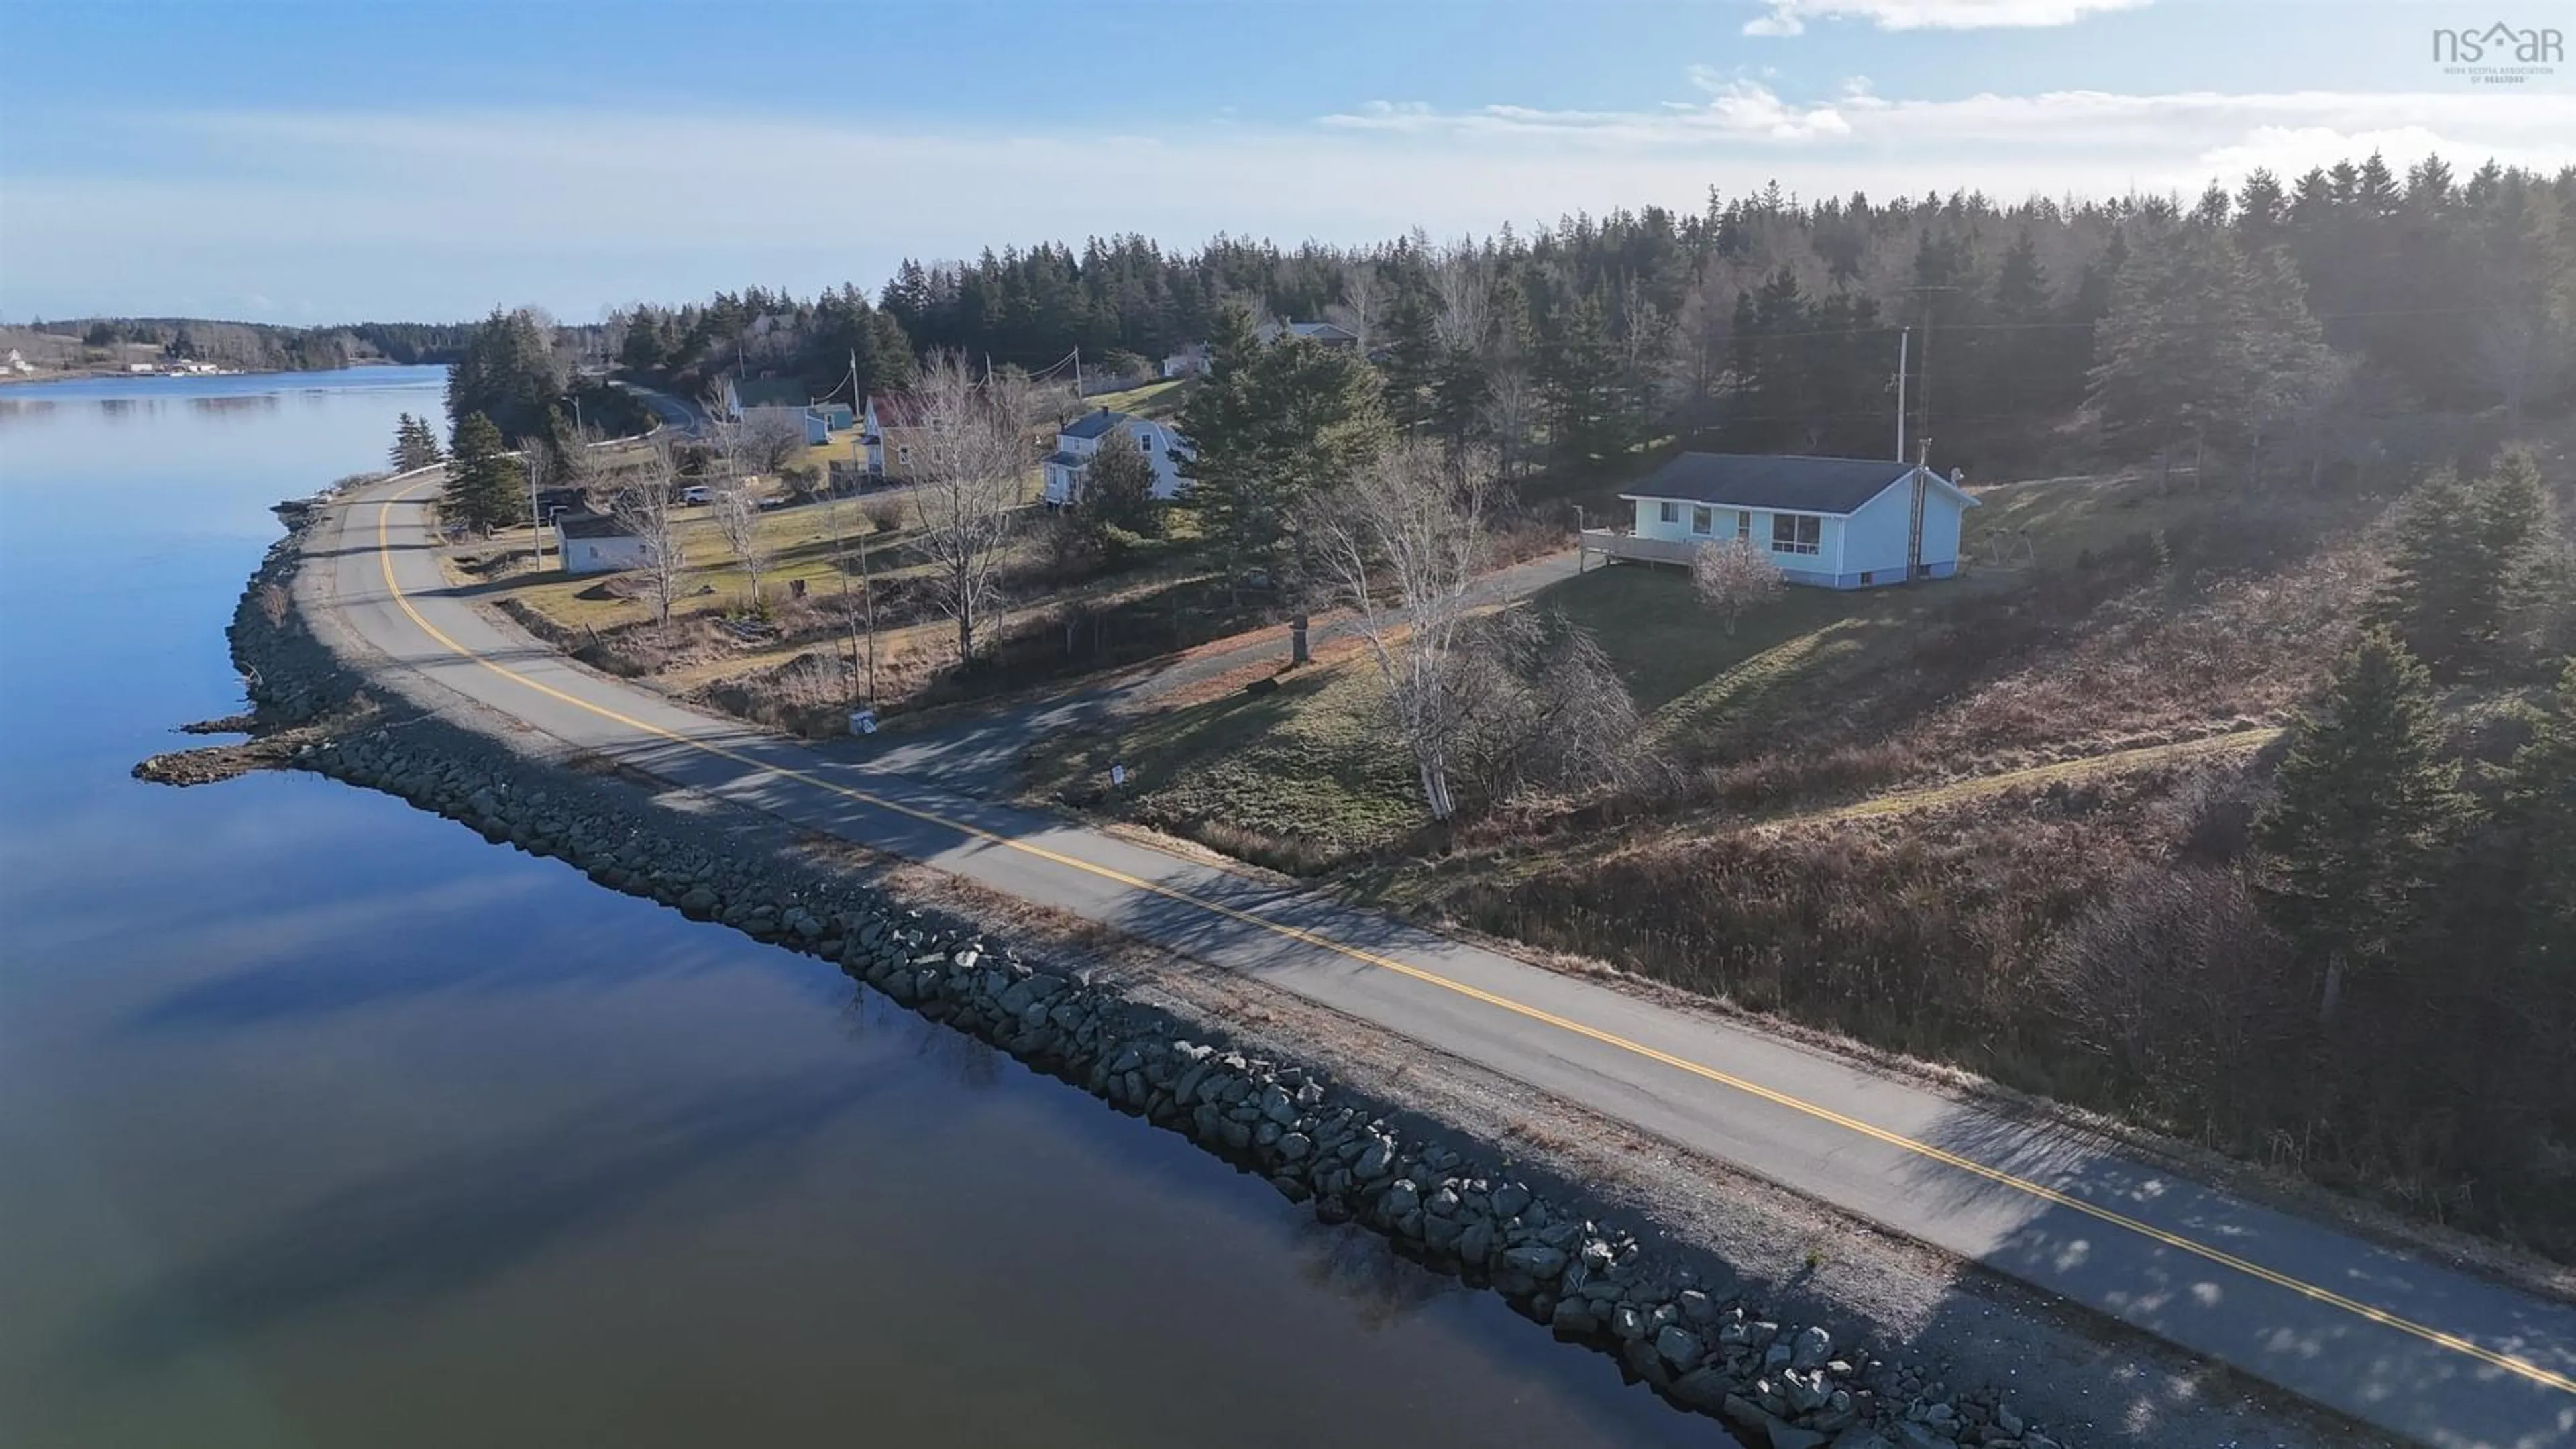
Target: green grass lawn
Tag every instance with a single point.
(1153, 400)
(799, 541)
(1299, 777)
(1314, 763)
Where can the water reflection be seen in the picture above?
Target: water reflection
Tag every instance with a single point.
(328, 1123)
(1365, 1271)
(443, 1224)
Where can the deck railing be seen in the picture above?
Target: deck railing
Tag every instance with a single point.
(1617, 544)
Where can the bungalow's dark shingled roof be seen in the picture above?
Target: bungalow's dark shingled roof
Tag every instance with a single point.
(771, 392)
(1749, 480)
(592, 525)
(1093, 424)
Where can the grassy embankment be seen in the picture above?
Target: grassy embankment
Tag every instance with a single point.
(1879, 813)
(1304, 773)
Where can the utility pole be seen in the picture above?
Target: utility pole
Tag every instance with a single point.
(536, 520)
(1904, 335)
(868, 600)
(1077, 374)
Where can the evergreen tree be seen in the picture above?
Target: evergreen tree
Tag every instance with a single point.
(1117, 502)
(415, 446)
(2024, 360)
(2368, 807)
(1578, 376)
(1413, 355)
(483, 481)
(2511, 522)
(1459, 388)
(2466, 566)
(2540, 804)
(1272, 425)
(507, 373)
(2442, 596)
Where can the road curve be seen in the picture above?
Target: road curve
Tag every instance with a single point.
(2386, 1337)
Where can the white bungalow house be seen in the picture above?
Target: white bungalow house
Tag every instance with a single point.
(1837, 523)
(595, 543)
(1078, 442)
(1191, 361)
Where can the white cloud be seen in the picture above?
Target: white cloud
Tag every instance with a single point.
(2149, 140)
(1790, 17)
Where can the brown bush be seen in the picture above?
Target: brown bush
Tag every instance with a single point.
(2172, 981)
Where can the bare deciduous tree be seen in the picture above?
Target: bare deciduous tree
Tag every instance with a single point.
(737, 518)
(1361, 295)
(1541, 706)
(1400, 547)
(970, 464)
(863, 607)
(583, 462)
(770, 439)
(1462, 277)
(645, 509)
(1510, 416)
(728, 444)
(1734, 576)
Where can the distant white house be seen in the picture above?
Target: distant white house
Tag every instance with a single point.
(1837, 523)
(783, 397)
(1080, 441)
(595, 543)
(1327, 334)
(18, 362)
(1191, 361)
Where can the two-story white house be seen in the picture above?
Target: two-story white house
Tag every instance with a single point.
(1078, 442)
(1838, 523)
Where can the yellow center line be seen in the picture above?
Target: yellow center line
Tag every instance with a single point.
(2040, 1191)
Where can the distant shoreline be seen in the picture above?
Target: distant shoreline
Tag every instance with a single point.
(86, 374)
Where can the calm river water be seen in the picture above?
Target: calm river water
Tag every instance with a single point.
(323, 1122)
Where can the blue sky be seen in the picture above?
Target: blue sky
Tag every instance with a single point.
(287, 161)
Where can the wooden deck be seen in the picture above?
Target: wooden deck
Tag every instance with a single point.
(1629, 548)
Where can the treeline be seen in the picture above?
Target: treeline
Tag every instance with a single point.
(760, 333)
(527, 374)
(2264, 319)
(2425, 883)
(266, 347)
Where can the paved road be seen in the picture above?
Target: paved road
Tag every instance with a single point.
(981, 756)
(2381, 1335)
(676, 412)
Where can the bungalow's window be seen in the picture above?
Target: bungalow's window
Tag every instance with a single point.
(1744, 523)
(1703, 520)
(1670, 513)
(904, 453)
(1795, 533)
